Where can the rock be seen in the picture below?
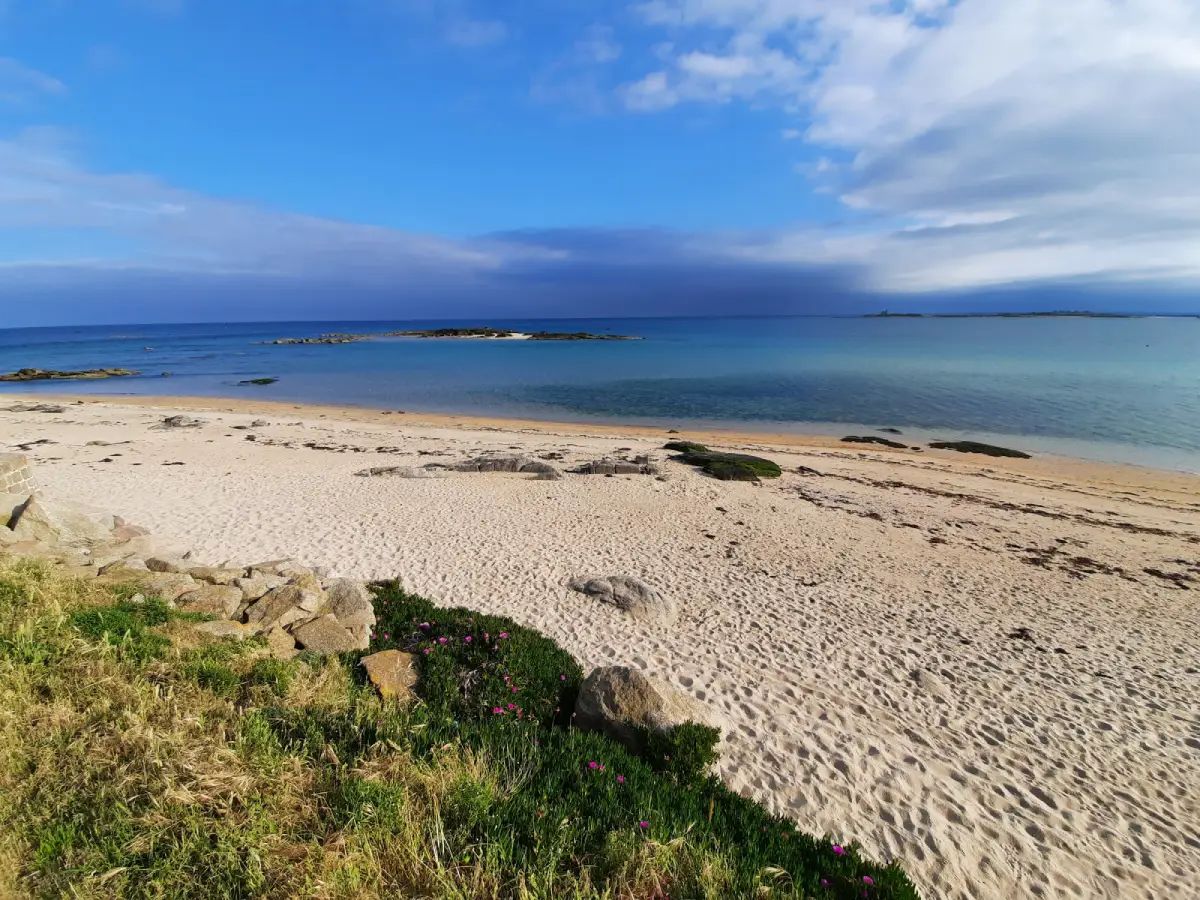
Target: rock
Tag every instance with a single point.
(270, 567)
(259, 423)
(616, 467)
(224, 629)
(258, 586)
(401, 472)
(549, 475)
(976, 447)
(168, 585)
(55, 375)
(211, 600)
(293, 570)
(325, 635)
(128, 565)
(625, 592)
(123, 533)
(393, 673)
(620, 701)
(282, 607)
(505, 464)
(281, 644)
(872, 439)
(215, 575)
(55, 522)
(725, 466)
(350, 602)
(179, 422)
(167, 564)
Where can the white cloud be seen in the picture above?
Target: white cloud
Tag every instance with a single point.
(42, 187)
(19, 83)
(476, 32)
(1000, 139)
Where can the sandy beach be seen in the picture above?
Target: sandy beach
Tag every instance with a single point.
(986, 668)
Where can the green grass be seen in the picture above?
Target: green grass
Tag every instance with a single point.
(139, 760)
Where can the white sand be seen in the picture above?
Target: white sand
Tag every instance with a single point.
(865, 672)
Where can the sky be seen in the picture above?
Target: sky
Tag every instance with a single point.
(201, 160)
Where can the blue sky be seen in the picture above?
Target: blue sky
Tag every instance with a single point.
(193, 160)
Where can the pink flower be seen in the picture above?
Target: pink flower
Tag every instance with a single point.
(441, 640)
(867, 879)
(503, 634)
(644, 824)
(620, 779)
(497, 711)
(514, 690)
(593, 765)
(839, 850)
(385, 637)
(512, 706)
(824, 882)
(428, 650)
(562, 677)
(467, 639)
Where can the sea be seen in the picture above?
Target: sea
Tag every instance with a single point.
(1107, 389)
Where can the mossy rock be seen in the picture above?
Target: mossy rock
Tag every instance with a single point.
(873, 439)
(685, 447)
(976, 447)
(725, 466)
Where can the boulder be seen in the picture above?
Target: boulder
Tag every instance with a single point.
(620, 702)
(350, 602)
(168, 585)
(215, 575)
(211, 600)
(122, 533)
(179, 422)
(292, 570)
(269, 567)
(282, 607)
(392, 672)
(128, 564)
(506, 464)
(224, 629)
(281, 644)
(167, 564)
(551, 474)
(258, 586)
(625, 592)
(55, 522)
(325, 635)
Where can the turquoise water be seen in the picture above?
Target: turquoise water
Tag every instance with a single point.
(1124, 390)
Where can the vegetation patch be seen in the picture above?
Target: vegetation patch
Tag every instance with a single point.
(131, 768)
(874, 439)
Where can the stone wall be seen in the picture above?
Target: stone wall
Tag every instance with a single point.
(16, 475)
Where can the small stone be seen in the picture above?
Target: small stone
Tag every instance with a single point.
(392, 672)
(168, 585)
(212, 600)
(163, 564)
(224, 629)
(325, 635)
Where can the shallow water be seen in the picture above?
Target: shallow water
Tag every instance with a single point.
(1123, 390)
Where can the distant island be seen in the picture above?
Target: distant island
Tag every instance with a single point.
(1056, 314)
(482, 333)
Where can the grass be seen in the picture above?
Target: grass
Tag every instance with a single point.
(140, 760)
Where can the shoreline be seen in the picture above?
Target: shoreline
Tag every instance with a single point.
(1000, 644)
(1043, 464)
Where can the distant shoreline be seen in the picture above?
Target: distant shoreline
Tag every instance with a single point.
(1064, 314)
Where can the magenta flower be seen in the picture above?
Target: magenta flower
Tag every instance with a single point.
(620, 779)
(840, 851)
(562, 677)
(467, 639)
(503, 634)
(386, 636)
(644, 824)
(824, 882)
(428, 650)
(593, 764)
(867, 879)
(496, 711)
(512, 706)
(441, 640)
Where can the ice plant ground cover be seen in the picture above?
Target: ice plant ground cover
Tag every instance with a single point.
(137, 761)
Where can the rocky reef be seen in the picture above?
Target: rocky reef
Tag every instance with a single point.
(56, 375)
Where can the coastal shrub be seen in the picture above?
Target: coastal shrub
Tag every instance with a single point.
(128, 779)
(478, 666)
(724, 466)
